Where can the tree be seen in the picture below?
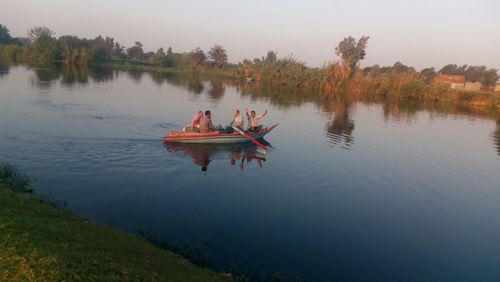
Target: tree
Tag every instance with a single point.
(5, 37)
(490, 77)
(44, 46)
(158, 57)
(218, 55)
(453, 69)
(40, 33)
(427, 75)
(101, 48)
(135, 52)
(271, 57)
(474, 73)
(198, 57)
(119, 51)
(351, 52)
(70, 47)
(399, 67)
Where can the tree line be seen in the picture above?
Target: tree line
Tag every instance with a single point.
(41, 45)
(343, 74)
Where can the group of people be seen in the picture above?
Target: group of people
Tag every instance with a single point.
(203, 123)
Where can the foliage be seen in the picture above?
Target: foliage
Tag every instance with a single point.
(135, 53)
(271, 57)
(158, 57)
(344, 75)
(427, 75)
(351, 52)
(487, 77)
(198, 57)
(14, 178)
(5, 37)
(218, 55)
(40, 33)
(414, 87)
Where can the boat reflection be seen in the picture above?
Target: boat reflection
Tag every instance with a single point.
(239, 154)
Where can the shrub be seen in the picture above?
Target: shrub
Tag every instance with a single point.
(14, 178)
(412, 88)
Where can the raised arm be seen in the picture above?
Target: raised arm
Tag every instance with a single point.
(262, 115)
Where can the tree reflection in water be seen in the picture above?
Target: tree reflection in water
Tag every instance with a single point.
(340, 129)
(239, 154)
(217, 89)
(4, 69)
(496, 137)
(72, 74)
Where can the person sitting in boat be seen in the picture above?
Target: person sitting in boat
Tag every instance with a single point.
(237, 120)
(206, 124)
(195, 121)
(253, 118)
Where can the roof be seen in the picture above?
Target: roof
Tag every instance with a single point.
(448, 78)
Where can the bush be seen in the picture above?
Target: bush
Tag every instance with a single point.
(412, 88)
(14, 178)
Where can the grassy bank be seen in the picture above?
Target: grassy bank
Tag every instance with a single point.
(202, 72)
(39, 242)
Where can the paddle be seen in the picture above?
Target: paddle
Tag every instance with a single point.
(250, 138)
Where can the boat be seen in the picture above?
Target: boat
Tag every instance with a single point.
(214, 137)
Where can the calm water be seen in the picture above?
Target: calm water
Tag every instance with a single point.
(349, 190)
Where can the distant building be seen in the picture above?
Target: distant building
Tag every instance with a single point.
(497, 87)
(454, 81)
(472, 86)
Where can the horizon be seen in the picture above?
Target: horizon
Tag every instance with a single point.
(308, 32)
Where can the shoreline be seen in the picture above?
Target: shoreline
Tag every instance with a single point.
(478, 99)
(39, 241)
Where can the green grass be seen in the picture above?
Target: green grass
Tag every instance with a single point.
(39, 242)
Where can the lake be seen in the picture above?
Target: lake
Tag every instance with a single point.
(350, 190)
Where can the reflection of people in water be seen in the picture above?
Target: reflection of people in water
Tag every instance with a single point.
(202, 159)
(253, 156)
(235, 155)
(202, 154)
(238, 154)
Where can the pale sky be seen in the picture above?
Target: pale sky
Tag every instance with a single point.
(426, 33)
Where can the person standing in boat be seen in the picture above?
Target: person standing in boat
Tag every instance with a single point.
(206, 124)
(237, 120)
(253, 118)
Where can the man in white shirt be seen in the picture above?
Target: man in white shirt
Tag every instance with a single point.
(237, 120)
(253, 119)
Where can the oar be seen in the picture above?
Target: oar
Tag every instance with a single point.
(250, 138)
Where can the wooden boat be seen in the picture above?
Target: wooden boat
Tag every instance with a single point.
(214, 137)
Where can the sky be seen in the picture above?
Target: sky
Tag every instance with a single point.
(417, 33)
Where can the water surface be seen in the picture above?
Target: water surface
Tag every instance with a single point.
(350, 190)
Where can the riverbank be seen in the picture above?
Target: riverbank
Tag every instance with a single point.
(380, 88)
(41, 242)
(203, 72)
